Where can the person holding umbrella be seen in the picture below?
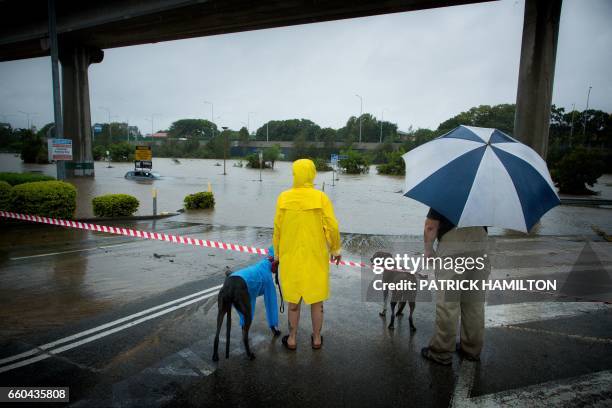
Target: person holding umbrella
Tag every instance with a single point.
(472, 178)
(305, 235)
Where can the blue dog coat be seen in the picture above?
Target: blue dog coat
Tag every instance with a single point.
(260, 281)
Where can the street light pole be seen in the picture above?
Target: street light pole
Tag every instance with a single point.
(572, 125)
(360, 114)
(224, 148)
(110, 132)
(249, 123)
(382, 119)
(212, 116)
(585, 112)
(28, 115)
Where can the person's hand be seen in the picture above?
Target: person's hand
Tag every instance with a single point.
(336, 259)
(275, 331)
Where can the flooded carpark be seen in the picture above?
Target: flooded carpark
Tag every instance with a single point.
(145, 344)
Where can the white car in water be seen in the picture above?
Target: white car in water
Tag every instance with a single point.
(142, 175)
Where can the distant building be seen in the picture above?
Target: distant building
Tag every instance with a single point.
(406, 136)
(159, 135)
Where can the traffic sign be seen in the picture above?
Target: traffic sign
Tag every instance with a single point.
(60, 149)
(143, 153)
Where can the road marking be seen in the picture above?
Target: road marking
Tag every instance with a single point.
(44, 347)
(518, 313)
(72, 251)
(594, 387)
(86, 340)
(553, 393)
(592, 339)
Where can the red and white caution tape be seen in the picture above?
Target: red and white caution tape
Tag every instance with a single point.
(128, 232)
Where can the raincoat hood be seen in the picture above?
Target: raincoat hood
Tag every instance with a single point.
(304, 173)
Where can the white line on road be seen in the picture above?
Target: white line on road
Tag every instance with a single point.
(58, 350)
(48, 346)
(72, 251)
(594, 387)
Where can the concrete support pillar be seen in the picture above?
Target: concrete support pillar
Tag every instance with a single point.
(76, 110)
(537, 73)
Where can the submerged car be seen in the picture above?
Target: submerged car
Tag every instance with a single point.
(142, 175)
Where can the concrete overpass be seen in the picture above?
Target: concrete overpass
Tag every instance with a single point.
(86, 28)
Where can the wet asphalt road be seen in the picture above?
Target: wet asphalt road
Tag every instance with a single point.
(535, 352)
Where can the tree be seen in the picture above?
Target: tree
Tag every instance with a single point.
(33, 147)
(577, 168)
(121, 152)
(243, 136)
(288, 130)
(272, 154)
(499, 117)
(192, 128)
(370, 129)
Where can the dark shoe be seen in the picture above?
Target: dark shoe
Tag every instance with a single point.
(286, 344)
(467, 356)
(315, 347)
(427, 354)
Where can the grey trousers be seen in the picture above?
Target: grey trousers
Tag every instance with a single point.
(451, 305)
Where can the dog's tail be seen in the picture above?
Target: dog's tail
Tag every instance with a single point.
(229, 329)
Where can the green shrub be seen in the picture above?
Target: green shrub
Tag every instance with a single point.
(577, 168)
(115, 205)
(253, 161)
(203, 199)
(5, 196)
(394, 164)
(19, 178)
(47, 198)
(321, 164)
(354, 162)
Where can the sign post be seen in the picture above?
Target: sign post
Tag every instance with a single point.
(334, 164)
(143, 157)
(60, 150)
(260, 163)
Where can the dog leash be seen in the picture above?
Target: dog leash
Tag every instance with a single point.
(282, 305)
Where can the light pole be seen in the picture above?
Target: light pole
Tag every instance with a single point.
(152, 119)
(572, 124)
(224, 148)
(382, 119)
(212, 116)
(267, 131)
(110, 132)
(249, 122)
(360, 114)
(585, 113)
(28, 115)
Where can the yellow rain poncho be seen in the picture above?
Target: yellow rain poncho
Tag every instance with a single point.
(305, 233)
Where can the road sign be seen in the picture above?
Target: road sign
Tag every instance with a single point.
(143, 164)
(98, 129)
(334, 160)
(60, 149)
(143, 153)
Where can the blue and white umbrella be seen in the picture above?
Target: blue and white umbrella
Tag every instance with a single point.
(481, 177)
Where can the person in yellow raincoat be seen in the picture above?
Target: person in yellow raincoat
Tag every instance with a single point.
(305, 235)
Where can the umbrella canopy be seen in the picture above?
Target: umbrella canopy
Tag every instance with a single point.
(481, 177)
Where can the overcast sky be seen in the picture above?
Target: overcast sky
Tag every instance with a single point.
(420, 67)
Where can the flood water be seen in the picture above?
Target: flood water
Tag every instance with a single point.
(368, 204)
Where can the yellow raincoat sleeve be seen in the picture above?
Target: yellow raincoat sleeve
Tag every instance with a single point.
(277, 230)
(330, 226)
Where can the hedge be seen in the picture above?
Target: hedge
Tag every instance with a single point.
(46, 198)
(5, 196)
(115, 205)
(201, 200)
(19, 178)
